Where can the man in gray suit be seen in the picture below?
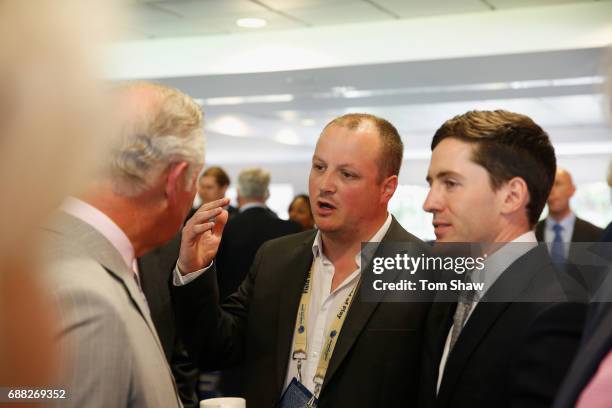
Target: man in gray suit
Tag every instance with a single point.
(111, 353)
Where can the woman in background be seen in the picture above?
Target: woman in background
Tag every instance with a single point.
(300, 211)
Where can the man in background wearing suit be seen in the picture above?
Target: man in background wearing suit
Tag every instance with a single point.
(509, 344)
(244, 233)
(562, 226)
(112, 354)
(376, 355)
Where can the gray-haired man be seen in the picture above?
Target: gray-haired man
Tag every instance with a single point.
(112, 356)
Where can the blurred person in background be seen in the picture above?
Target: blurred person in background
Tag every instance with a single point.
(212, 185)
(562, 226)
(300, 211)
(589, 380)
(244, 233)
(134, 204)
(53, 124)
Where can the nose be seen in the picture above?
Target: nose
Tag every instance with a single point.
(327, 183)
(433, 201)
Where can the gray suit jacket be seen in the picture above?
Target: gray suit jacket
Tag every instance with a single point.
(110, 353)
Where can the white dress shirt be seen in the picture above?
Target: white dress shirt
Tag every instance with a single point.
(324, 304)
(495, 265)
(566, 233)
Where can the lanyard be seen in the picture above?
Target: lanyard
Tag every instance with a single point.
(300, 345)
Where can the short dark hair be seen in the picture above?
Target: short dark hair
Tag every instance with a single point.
(392, 148)
(507, 145)
(220, 176)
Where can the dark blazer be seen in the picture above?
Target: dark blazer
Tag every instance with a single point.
(596, 340)
(242, 237)
(155, 273)
(584, 231)
(377, 355)
(509, 354)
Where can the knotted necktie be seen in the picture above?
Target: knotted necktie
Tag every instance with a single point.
(464, 306)
(557, 250)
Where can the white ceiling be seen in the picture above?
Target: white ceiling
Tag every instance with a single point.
(179, 18)
(416, 63)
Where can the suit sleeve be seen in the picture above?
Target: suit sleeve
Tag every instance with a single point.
(546, 354)
(96, 363)
(215, 334)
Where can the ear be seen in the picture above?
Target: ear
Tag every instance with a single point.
(175, 181)
(388, 187)
(515, 196)
(572, 190)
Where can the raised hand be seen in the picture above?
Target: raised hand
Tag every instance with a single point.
(202, 235)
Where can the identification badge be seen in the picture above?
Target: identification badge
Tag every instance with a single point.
(296, 396)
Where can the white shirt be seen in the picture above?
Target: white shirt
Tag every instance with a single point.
(568, 228)
(566, 233)
(324, 304)
(251, 205)
(105, 226)
(495, 265)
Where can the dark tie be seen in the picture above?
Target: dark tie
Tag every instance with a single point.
(557, 250)
(464, 306)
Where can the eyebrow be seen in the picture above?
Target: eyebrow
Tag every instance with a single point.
(340, 166)
(443, 174)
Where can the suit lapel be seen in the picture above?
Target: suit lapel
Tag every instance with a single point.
(360, 311)
(289, 299)
(509, 285)
(80, 234)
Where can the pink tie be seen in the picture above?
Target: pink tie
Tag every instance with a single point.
(597, 393)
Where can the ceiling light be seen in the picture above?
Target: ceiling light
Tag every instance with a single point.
(287, 136)
(288, 115)
(229, 125)
(251, 22)
(239, 100)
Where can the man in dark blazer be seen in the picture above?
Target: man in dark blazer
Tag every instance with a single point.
(248, 230)
(376, 358)
(509, 344)
(559, 212)
(156, 268)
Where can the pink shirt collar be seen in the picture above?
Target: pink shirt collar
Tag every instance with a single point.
(105, 226)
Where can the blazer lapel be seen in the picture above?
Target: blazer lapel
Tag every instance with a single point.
(80, 234)
(509, 285)
(360, 311)
(289, 299)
